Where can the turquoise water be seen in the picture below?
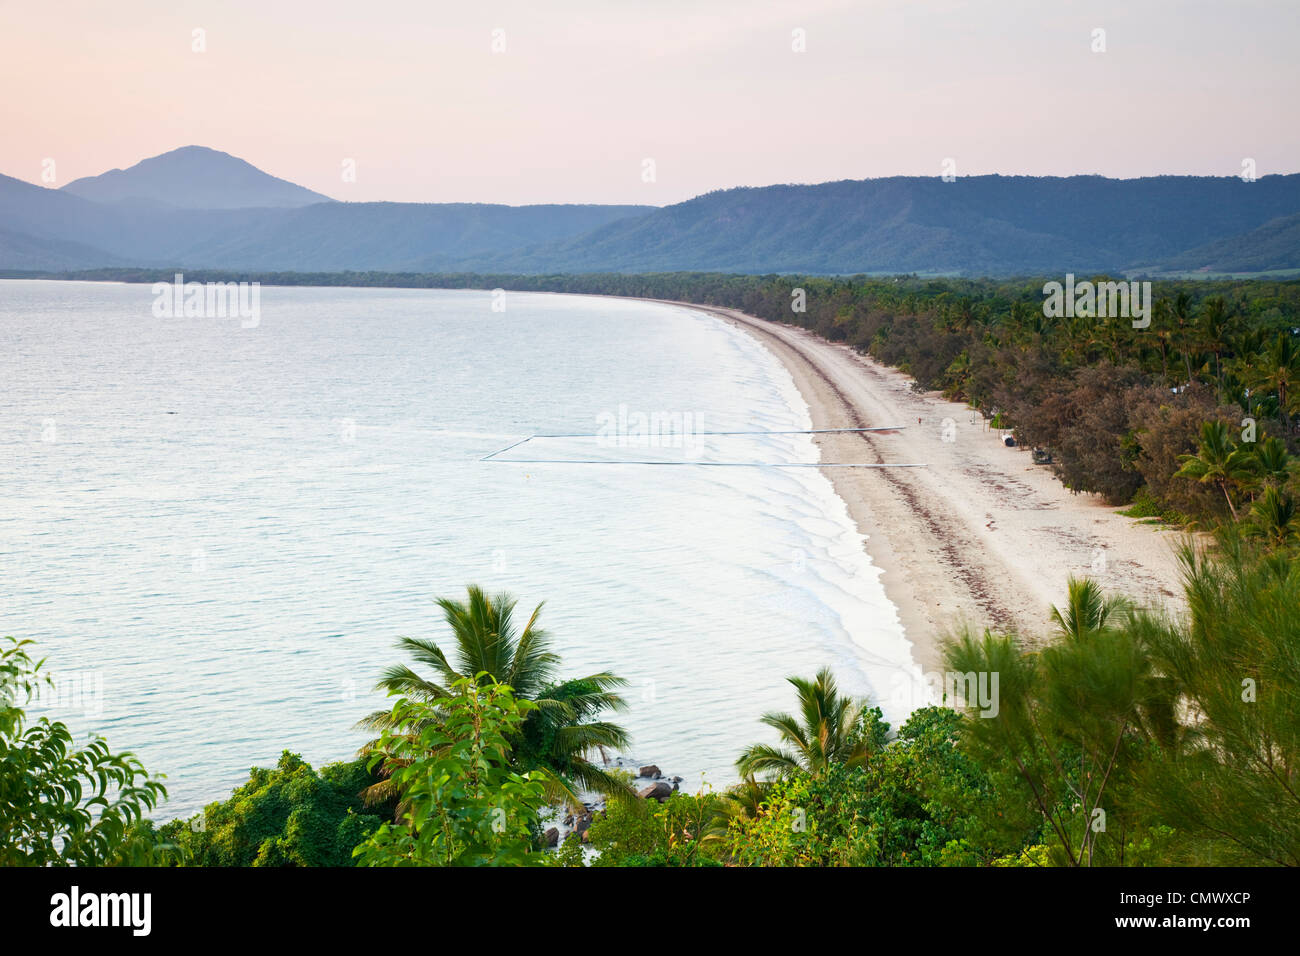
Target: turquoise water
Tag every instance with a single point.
(216, 532)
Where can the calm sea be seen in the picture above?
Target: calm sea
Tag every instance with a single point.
(216, 533)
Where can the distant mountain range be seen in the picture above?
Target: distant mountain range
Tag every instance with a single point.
(200, 208)
(980, 225)
(197, 207)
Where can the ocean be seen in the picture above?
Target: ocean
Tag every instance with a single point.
(215, 530)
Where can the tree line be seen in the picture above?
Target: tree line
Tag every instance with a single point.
(1114, 407)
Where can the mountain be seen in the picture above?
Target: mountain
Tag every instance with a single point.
(30, 253)
(195, 177)
(51, 230)
(397, 237)
(992, 225)
(1273, 246)
(47, 229)
(190, 209)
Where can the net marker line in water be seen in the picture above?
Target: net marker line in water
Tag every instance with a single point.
(707, 464)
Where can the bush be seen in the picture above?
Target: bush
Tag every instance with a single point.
(1165, 426)
(286, 816)
(684, 830)
(913, 804)
(63, 805)
(461, 803)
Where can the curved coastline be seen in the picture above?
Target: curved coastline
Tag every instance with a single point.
(981, 536)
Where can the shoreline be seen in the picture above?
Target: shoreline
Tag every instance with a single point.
(981, 536)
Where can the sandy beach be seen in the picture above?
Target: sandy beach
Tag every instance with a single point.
(981, 535)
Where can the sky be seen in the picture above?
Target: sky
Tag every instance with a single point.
(648, 101)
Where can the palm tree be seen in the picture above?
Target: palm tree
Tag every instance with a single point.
(826, 731)
(1087, 609)
(1273, 518)
(1218, 462)
(1273, 462)
(745, 799)
(1216, 319)
(1184, 337)
(1278, 371)
(558, 737)
(1164, 335)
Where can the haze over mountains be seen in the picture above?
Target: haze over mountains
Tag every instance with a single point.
(195, 177)
(199, 208)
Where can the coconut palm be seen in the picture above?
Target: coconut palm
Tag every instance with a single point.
(1277, 370)
(1273, 463)
(560, 736)
(1218, 462)
(1216, 320)
(745, 799)
(1162, 326)
(825, 731)
(1087, 609)
(1184, 331)
(1273, 518)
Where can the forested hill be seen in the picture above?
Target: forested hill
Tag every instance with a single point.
(1271, 247)
(57, 229)
(980, 225)
(199, 209)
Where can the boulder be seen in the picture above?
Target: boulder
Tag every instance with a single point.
(651, 771)
(660, 791)
(552, 837)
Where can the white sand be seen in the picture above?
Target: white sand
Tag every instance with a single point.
(981, 535)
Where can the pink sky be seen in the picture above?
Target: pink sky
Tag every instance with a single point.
(711, 90)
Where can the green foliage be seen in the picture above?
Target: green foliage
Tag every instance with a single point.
(1087, 609)
(684, 830)
(558, 736)
(462, 804)
(569, 854)
(827, 729)
(60, 804)
(1233, 669)
(912, 805)
(1218, 461)
(1138, 740)
(286, 816)
(1073, 724)
(1272, 518)
(1146, 506)
(1162, 428)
